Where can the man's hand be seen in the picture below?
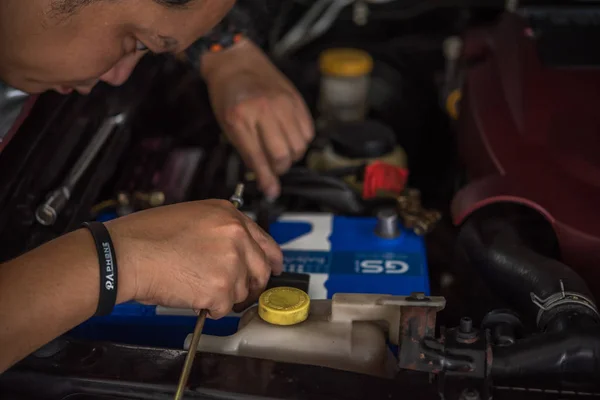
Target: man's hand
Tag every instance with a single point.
(260, 111)
(200, 255)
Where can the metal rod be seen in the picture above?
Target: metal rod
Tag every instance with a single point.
(48, 212)
(189, 358)
(237, 200)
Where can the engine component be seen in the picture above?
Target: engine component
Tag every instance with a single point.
(344, 255)
(505, 327)
(345, 85)
(353, 319)
(358, 143)
(544, 290)
(387, 224)
(511, 246)
(526, 130)
(361, 141)
(568, 358)
(453, 79)
(365, 155)
(329, 192)
(317, 20)
(571, 356)
(339, 255)
(48, 212)
(284, 306)
(414, 216)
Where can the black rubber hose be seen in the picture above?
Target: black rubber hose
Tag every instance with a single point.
(499, 245)
(572, 356)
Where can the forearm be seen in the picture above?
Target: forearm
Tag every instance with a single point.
(46, 292)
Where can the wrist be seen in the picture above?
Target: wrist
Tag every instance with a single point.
(227, 61)
(127, 289)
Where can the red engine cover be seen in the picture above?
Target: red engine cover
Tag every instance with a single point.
(530, 134)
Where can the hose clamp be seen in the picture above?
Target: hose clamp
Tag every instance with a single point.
(560, 299)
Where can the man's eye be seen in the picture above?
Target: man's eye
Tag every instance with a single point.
(140, 46)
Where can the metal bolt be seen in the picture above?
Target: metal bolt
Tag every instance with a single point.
(466, 325)
(238, 196)
(387, 224)
(417, 296)
(421, 227)
(402, 202)
(409, 220)
(414, 206)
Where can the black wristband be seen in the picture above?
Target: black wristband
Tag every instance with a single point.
(108, 267)
(222, 37)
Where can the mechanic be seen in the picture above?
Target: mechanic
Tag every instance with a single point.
(200, 255)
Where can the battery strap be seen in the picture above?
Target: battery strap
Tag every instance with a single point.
(108, 267)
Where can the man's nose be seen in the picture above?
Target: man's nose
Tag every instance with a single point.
(118, 74)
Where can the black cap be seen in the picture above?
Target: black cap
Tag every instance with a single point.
(365, 139)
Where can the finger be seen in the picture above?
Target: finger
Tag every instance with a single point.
(242, 288)
(259, 266)
(250, 148)
(293, 132)
(221, 290)
(250, 300)
(304, 120)
(220, 307)
(275, 142)
(268, 245)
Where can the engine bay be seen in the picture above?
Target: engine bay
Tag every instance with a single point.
(442, 222)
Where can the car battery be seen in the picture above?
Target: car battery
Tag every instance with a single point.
(339, 255)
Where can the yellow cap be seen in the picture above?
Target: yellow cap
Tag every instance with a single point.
(453, 103)
(283, 306)
(346, 62)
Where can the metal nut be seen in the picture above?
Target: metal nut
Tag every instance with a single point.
(410, 220)
(433, 216)
(414, 194)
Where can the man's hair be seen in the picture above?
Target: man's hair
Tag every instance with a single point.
(68, 7)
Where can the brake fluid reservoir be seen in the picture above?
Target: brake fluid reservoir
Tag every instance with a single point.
(345, 82)
(358, 143)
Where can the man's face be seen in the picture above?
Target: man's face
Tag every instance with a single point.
(100, 41)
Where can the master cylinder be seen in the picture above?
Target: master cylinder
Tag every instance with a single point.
(351, 332)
